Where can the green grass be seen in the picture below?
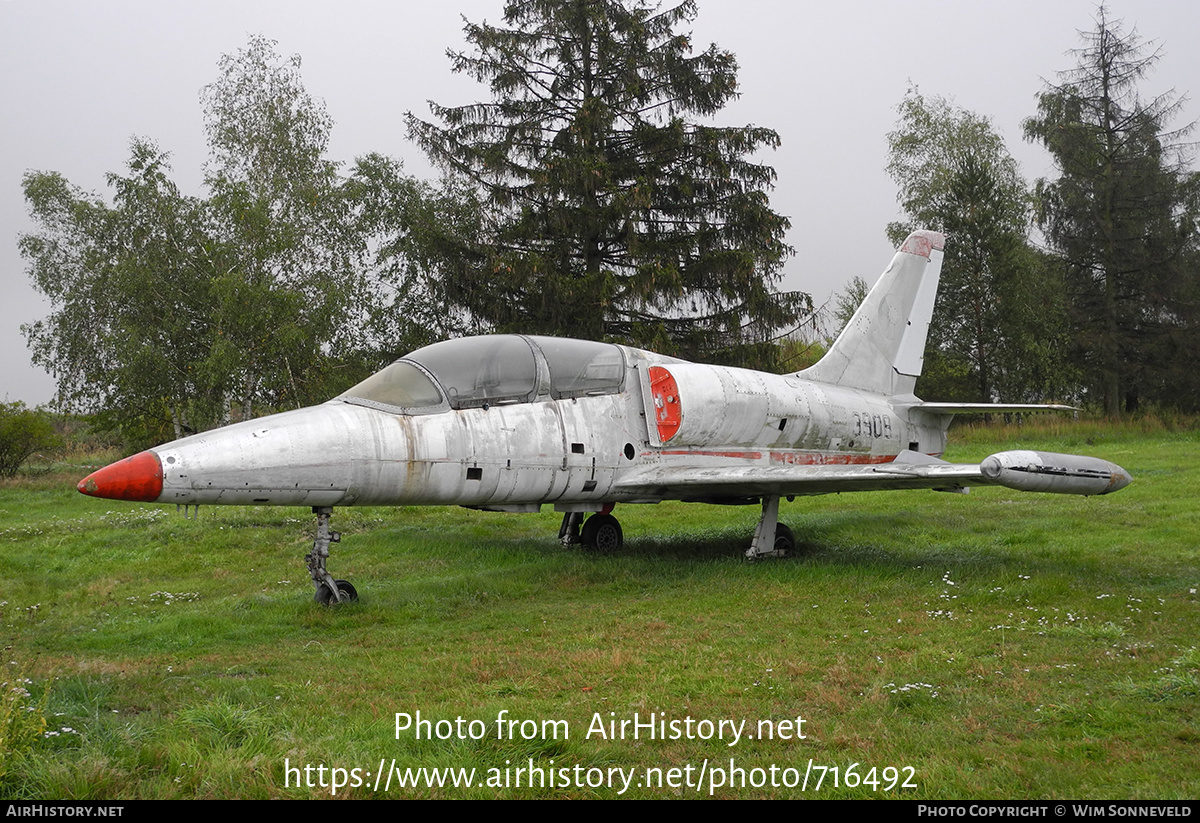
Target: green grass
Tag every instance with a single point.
(1002, 645)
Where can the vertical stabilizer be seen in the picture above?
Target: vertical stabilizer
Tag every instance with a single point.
(882, 348)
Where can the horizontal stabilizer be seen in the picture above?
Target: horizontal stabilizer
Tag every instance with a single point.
(991, 408)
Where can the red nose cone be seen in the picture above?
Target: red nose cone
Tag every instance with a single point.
(135, 478)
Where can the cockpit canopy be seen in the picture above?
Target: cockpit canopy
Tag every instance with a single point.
(474, 372)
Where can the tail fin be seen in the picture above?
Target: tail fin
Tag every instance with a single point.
(882, 348)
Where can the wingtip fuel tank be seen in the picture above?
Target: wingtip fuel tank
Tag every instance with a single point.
(1035, 471)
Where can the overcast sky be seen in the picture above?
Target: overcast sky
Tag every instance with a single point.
(80, 78)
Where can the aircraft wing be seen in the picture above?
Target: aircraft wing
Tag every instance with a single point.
(1022, 470)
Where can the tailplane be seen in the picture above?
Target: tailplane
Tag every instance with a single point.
(882, 348)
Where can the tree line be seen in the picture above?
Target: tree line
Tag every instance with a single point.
(584, 199)
(291, 279)
(1084, 287)
(590, 198)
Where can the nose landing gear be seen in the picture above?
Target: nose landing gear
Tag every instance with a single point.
(329, 592)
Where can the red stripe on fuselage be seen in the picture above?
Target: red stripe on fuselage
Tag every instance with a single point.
(739, 455)
(791, 458)
(825, 459)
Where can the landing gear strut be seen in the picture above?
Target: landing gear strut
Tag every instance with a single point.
(771, 538)
(328, 591)
(568, 532)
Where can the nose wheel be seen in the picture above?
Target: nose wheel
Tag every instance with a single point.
(345, 593)
(329, 592)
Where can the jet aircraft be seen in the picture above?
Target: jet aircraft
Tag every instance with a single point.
(513, 422)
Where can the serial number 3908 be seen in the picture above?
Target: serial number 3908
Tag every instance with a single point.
(872, 425)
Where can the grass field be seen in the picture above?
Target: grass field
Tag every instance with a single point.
(990, 645)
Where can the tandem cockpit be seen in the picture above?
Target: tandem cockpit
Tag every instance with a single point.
(501, 369)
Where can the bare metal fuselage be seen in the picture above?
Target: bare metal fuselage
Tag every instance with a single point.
(571, 452)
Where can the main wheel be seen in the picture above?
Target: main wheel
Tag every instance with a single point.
(785, 541)
(325, 597)
(602, 533)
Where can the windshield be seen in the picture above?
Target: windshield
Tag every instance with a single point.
(400, 386)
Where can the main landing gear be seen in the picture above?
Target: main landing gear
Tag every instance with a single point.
(600, 533)
(329, 591)
(771, 538)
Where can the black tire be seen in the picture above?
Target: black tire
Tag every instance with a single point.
(785, 541)
(325, 597)
(602, 533)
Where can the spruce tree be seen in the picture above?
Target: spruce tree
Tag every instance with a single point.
(615, 210)
(1122, 213)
